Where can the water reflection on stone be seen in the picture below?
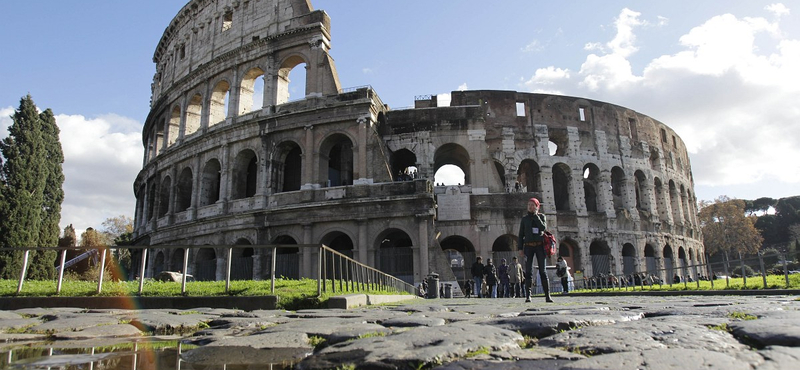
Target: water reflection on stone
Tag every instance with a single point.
(129, 356)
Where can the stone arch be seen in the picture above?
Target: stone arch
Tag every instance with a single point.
(628, 259)
(600, 253)
(176, 261)
(252, 83)
(174, 125)
(210, 183)
(163, 196)
(591, 183)
(558, 142)
(529, 176)
(158, 144)
(562, 186)
(650, 259)
(218, 106)
(404, 163)
(453, 154)
(151, 200)
(183, 190)
(340, 242)
(287, 167)
(336, 160)
(286, 68)
(245, 175)
(569, 250)
(205, 264)
(641, 191)
(661, 205)
(500, 170)
(683, 263)
(655, 162)
(674, 201)
(619, 187)
(395, 255)
(194, 113)
(159, 264)
(505, 246)
(463, 251)
(242, 260)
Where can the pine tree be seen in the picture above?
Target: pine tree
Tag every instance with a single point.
(27, 204)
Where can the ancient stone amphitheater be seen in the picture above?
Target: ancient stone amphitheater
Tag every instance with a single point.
(231, 160)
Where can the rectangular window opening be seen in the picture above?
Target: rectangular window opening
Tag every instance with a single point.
(674, 142)
(227, 21)
(521, 111)
(582, 112)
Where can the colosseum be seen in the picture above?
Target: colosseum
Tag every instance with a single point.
(230, 159)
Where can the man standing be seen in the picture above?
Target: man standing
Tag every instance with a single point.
(502, 274)
(531, 230)
(477, 276)
(515, 276)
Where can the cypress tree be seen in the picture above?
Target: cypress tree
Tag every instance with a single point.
(25, 215)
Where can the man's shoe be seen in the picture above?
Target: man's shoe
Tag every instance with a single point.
(528, 300)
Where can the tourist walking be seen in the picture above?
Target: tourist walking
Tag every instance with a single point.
(502, 274)
(515, 277)
(562, 271)
(531, 230)
(477, 276)
(491, 278)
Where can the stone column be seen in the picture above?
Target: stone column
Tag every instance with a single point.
(576, 196)
(196, 186)
(309, 160)
(548, 193)
(421, 253)
(309, 255)
(360, 156)
(363, 245)
(225, 177)
(605, 197)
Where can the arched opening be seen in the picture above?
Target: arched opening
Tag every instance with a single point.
(205, 265)
(242, 261)
(163, 196)
(455, 155)
(193, 114)
(562, 183)
(668, 264)
(287, 89)
(336, 160)
(339, 242)
(462, 251)
(287, 167)
(404, 165)
(505, 246)
(601, 257)
(159, 265)
(245, 175)
(675, 202)
(174, 126)
(650, 259)
(158, 145)
(618, 188)
(557, 146)
(655, 163)
(176, 262)
(628, 259)
(151, 200)
(251, 93)
(287, 263)
(449, 175)
(501, 173)
(210, 183)
(395, 256)
(183, 193)
(683, 264)
(528, 176)
(661, 204)
(591, 176)
(568, 250)
(219, 103)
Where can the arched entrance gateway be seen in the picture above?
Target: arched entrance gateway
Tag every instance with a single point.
(504, 246)
(601, 257)
(568, 249)
(628, 259)
(395, 256)
(287, 263)
(461, 254)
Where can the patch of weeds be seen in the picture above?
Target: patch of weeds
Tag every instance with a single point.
(346, 367)
(528, 342)
(188, 313)
(580, 351)
(203, 325)
(373, 334)
(741, 316)
(316, 341)
(721, 327)
(20, 330)
(478, 352)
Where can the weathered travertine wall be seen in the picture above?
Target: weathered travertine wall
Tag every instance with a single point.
(231, 159)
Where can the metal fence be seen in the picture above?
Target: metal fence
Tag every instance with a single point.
(752, 267)
(332, 267)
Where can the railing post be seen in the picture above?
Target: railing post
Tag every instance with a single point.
(102, 270)
(274, 264)
(785, 269)
(744, 273)
(141, 270)
(185, 268)
(24, 270)
(341, 273)
(319, 271)
(228, 270)
(763, 270)
(61, 271)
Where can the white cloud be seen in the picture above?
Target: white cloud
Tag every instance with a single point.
(5, 120)
(367, 71)
(777, 9)
(663, 21)
(463, 87)
(533, 46)
(732, 104)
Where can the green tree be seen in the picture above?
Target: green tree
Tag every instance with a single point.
(726, 228)
(42, 266)
(23, 186)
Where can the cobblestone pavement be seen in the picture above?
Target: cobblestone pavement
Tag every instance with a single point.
(575, 332)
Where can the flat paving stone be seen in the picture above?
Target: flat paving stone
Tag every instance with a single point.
(768, 332)
(56, 323)
(265, 348)
(104, 331)
(659, 359)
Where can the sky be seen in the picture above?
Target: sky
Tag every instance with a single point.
(724, 75)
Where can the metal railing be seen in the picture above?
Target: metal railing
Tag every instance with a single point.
(689, 274)
(351, 275)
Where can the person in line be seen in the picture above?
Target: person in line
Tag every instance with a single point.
(515, 277)
(562, 271)
(477, 276)
(502, 274)
(531, 230)
(491, 279)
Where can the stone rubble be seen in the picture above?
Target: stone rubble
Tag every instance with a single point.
(575, 332)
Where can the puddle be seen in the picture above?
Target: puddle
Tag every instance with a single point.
(144, 355)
